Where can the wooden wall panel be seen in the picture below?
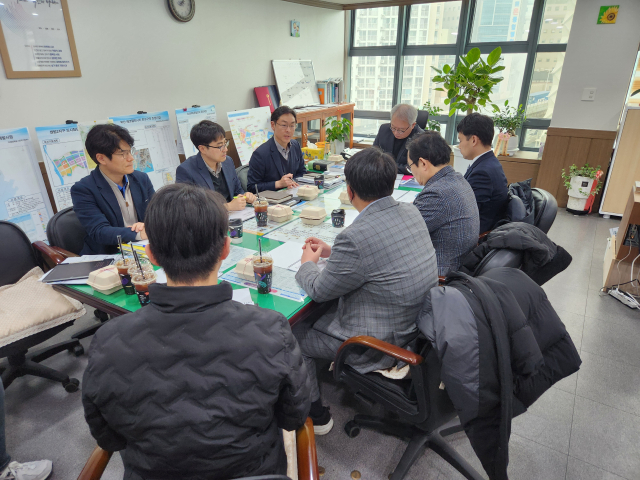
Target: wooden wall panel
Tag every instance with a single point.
(567, 146)
(519, 171)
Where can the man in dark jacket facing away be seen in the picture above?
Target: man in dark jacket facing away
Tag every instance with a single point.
(485, 175)
(195, 385)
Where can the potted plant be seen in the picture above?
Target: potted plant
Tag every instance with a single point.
(469, 84)
(579, 183)
(337, 132)
(508, 120)
(434, 111)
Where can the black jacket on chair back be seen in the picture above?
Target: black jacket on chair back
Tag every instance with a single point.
(196, 386)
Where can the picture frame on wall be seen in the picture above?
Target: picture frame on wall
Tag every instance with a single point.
(36, 39)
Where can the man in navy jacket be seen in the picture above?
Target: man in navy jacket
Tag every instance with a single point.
(211, 168)
(113, 199)
(277, 162)
(485, 175)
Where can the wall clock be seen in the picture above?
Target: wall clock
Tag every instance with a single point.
(182, 10)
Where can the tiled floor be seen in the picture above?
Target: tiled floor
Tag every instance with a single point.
(586, 427)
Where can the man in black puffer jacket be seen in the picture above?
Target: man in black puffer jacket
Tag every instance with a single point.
(194, 385)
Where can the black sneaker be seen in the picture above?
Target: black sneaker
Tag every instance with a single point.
(323, 423)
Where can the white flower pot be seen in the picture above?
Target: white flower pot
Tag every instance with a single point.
(579, 193)
(512, 146)
(337, 146)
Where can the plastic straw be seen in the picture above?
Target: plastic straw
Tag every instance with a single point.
(135, 255)
(260, 247)
(121, 249)
(257, 194)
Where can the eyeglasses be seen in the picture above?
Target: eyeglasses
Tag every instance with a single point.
(397, 130)
(126, 153)
(221, 147)
(287, 127)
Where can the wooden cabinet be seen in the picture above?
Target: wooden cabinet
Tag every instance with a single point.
(311, 121)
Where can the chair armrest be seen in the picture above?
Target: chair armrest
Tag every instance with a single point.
(482, 235)
(307, 455)
(95, 466)
(52, 256)
(441, 280)
(394, 351)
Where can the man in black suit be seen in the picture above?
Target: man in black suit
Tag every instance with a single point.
(278, 162)
(392, 137)
(485, 175)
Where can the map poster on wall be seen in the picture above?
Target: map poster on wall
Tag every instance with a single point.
(36, 39)
(23, 197)
(250, 129)
(155, 151)
(187, 118)
(64, 158)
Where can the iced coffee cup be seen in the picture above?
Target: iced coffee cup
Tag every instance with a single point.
(141, 284)
(260, 206)
(145, 264)
(123, 265)
(263, 271)
(235, 230)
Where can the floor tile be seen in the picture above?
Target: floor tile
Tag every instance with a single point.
(608, 309)
(567, 297)
(579, 470)
(548, 420)
(608, 339)
(613, 383)
(568, 384)
(531, 461)
(606, 438)
(574, 324)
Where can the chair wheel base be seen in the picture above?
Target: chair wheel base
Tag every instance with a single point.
(78, 350)
(73, 385)
(100, 315)
(352, 429)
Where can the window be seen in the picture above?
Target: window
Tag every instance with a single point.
(431, 38)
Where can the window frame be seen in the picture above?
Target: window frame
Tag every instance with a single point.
(531, 47)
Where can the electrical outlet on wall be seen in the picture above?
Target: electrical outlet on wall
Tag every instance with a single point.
(589, 94)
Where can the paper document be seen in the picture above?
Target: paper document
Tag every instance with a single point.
(235, 255)
(283, 285)
(289, 255)
(243, 215)
(243, 295)
(408, 197)
(297, 232)
(410, 183)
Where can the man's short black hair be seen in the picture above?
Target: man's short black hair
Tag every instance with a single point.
(479, 125)
(430, 146)
(283, 110)
(205, 132)
(187, 229)
(371, 174)
(105, 139)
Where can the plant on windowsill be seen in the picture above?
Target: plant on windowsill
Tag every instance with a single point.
(337, 132)
(434, 111)
(469, 84)
(579, 183)
(508, 120)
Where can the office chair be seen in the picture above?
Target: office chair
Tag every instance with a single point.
(498, 258)
(242, 173)
(306, 456)
(546, 209)
(18, 257)
(423, 410)
(423, 116)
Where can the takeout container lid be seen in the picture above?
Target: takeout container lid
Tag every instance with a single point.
(313, 215)
(244, 268)
(344, 198)
(338, 211)
(105, 280)
(280, 213)
(308, 192)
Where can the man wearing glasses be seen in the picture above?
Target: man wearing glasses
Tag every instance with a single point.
(392, 137)
(211, 168)
(113, 199)
(277, 162)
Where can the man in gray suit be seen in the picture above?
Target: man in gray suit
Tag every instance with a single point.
(377, 274)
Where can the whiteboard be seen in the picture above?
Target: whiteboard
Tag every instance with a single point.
(296, 83)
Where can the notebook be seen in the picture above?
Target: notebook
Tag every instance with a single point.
(75, 271)
(276, 197)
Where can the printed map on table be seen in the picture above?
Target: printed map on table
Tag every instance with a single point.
(298, 232)
(251, 226)
(235, 255)
(23, 198)
(187, 118)
(250, 129)
(64, 158)
(283, 284)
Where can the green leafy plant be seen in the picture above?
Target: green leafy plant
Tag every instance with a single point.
(585, 171)
(433, 112)
(469, 84)
(509, 119)
(337, 129)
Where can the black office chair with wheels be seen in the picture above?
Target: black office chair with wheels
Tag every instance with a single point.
(243, 172)
(499, 258)
(546, 209)
(18, 257)
(423, 117)
(66, 235)
(424, 411)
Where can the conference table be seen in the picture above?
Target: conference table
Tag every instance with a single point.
(119, 303)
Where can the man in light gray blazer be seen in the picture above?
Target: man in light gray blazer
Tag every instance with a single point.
(378, 272)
